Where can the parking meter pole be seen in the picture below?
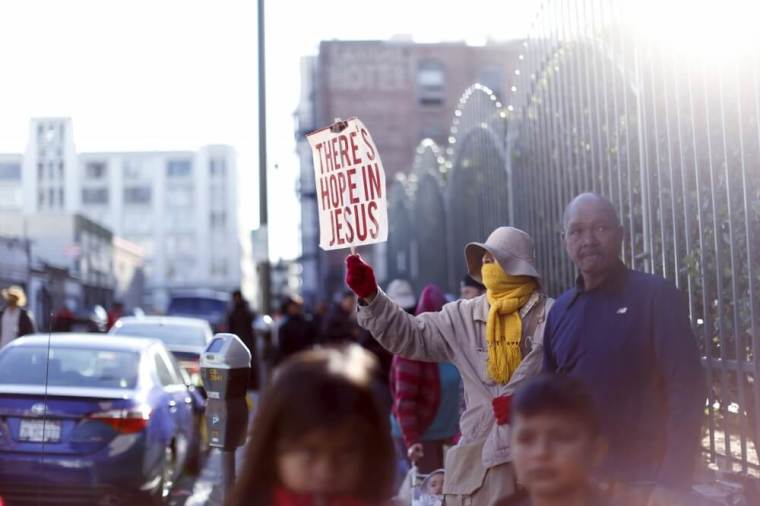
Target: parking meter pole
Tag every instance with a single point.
(228, 474)
(225, 368)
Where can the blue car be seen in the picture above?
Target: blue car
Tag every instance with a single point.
(115, 424)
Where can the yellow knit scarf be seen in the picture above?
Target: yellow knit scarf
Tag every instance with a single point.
(506, 294)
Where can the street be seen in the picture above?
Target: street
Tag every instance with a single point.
(205, 488)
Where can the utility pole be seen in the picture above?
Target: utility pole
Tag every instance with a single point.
(263, 267)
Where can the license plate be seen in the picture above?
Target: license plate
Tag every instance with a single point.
(37, 431)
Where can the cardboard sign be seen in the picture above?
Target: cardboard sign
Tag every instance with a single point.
(350, 184)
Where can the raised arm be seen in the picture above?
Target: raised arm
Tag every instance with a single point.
(425, 337)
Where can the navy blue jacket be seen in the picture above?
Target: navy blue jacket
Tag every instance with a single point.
(630, 341)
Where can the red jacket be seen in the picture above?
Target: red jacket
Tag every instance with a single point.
(416, 390)
(415, 385)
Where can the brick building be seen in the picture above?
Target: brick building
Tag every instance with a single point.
(404, 92)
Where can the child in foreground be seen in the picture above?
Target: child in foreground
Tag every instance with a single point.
(556, 444)
(319, 437)
(432, 489)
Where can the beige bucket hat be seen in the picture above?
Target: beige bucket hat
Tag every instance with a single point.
(14, 291)
(512, 248)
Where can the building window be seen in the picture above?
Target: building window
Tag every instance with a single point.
(40, 198)
(50, 134)
(431, 80)
(10, 171)
(60, 170)
(217, 167)
(132, 169)
(61, 202)
(95, 170)
(178, 168)
(491, 77)
(95, 195)
(40, 170)
(218, 219)
(137, 195)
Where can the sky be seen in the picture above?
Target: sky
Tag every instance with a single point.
(179, 74)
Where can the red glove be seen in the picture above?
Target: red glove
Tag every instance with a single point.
(360, 277)
(502, 409)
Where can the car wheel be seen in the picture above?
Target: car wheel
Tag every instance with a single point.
(164, 488)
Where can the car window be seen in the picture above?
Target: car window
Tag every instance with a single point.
(166, 376)
(170, 334)
(69, 367)
(196, 305)
(179, 372)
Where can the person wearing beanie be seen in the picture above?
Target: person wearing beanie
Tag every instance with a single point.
(425, 400)
(295, 332)
(496, 342)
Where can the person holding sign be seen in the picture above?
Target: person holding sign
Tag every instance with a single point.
(496, 342)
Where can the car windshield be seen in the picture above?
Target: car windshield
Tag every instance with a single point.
(171, 335)
(69, 367)
(196, 306)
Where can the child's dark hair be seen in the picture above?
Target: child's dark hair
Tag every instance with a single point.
(558, 395)
(317, 390)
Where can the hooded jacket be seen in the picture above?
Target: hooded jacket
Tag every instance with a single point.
(415, 384)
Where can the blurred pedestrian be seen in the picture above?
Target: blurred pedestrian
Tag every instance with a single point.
(425, 400)
(63, 320)
(556, 444)
(339, 325)
(401, 292)
(432, 489)
(240, 322)
(116, 312)
(296, 332)
(318, 313)
(627, 336)
(495, 341)
(15, 321)
(318, 438)
(470, 288)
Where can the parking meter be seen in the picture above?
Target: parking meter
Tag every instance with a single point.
(225, 368)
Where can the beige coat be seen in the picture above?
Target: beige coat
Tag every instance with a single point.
(456, 334)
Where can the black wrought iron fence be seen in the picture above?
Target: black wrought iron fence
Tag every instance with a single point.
(671, 136)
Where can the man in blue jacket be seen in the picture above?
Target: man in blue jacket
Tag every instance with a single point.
(627, 335)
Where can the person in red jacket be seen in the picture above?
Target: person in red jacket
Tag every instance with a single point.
(425, 399)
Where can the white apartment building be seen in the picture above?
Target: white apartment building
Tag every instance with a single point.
(179, 207)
